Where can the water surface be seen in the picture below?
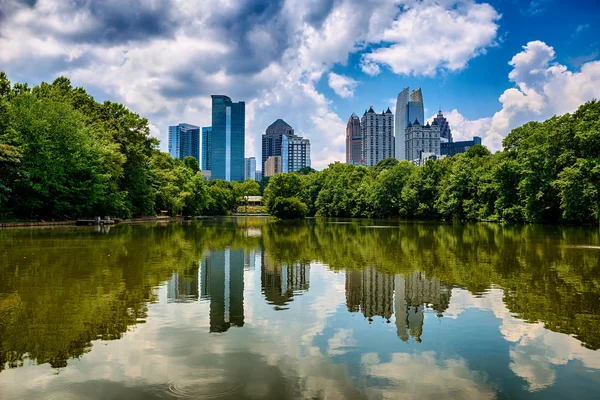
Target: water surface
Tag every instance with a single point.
(250, 309)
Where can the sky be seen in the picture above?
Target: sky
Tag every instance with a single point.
(490, 66)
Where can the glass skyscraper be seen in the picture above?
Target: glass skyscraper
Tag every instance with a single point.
(409, 107)
(228, 138)
(206, 148)
(250, 168)
(184, 140)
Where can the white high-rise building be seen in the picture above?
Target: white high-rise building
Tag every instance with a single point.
(422, 139)
(377, 136)
(250, 168)
(409, 107)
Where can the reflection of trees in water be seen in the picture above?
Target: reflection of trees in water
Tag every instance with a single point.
(64, 288)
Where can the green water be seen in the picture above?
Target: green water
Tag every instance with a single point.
(250, 309)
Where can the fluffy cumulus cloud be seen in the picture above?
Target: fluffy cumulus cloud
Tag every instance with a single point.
(342, 85)
(543, 88)
(429, 36)
(164, 58)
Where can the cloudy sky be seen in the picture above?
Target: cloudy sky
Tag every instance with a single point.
(490, 66)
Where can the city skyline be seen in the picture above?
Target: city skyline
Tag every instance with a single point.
(486, 68)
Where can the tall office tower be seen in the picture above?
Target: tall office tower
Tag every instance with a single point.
(228, 138)
(353, 140)
(295, 153)
(271, 140)
(222, 282)
(408, 108)
(206, 164)
(259, 176)
(445, 132)
(401, 123)
(377, 136)
(250, 168)
(422, 139)
(184, 140)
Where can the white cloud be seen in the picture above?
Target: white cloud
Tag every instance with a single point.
(168, 57)
(342, 85)
(429, 36)
(542, 89)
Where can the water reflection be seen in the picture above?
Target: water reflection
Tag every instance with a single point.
(475, 310)
(223, 284)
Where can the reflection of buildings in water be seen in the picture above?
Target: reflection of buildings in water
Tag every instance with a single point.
(280, 283)
(413, 293)
(370, 292)
(183, 288)
(250, 260)
(222, 281)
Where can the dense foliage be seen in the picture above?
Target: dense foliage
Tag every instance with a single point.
(64, 155)
(548, 172)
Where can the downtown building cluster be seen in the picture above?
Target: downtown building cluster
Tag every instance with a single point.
(404, 136)
(223, 145)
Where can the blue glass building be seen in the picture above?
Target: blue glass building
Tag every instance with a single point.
(184, 140)
(228, 138)
(206, 164)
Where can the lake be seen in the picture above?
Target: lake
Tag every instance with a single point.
(244, 308)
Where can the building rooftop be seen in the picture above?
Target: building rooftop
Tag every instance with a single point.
(279, 122)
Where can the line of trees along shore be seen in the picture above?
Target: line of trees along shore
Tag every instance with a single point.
(547, 172)
(64, 155)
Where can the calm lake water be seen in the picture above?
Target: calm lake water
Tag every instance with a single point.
(320, 309)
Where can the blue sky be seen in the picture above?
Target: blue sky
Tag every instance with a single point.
(491, 66)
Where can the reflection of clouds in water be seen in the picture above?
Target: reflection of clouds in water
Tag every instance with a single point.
(535, 349)
(423, 376)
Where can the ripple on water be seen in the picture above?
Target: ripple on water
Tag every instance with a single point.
(63, 395)
(204, 386)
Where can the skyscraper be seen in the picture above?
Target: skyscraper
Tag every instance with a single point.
(279, 140)
(409, 107)
(295, 153)
(271, 140)
(206, 164)
(184, 140)
(228, 138)
(250, 168)
(445, 132)
(272, 166)
(353, 140)
(377, 136)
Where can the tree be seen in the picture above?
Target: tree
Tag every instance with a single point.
(385, 164)
(191, 163)
(288, 208)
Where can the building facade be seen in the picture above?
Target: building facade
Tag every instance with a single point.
(409, 107)
(184, 140)
(206, 164)
(377, 136)
(453, 148)
(353, 140)
(271, 139)
(272, 166)
(228, 138)
(295, 153)
(421, 139)
(259, 176)
(250, 168)
(445, 132)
